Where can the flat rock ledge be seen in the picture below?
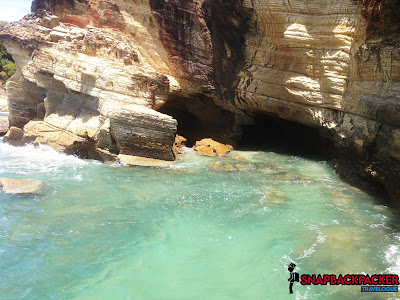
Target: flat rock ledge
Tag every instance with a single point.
(20, 186)
(131, 160)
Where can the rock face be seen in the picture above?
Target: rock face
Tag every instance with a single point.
(92, 73)
(79, 92)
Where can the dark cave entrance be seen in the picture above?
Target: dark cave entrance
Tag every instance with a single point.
(270, 133)
(199, 117)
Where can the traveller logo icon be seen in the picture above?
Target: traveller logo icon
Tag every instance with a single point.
(294, 277)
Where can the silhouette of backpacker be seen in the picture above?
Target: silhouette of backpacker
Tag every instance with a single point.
(294, 277)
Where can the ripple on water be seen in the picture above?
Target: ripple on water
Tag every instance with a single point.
(201, 228)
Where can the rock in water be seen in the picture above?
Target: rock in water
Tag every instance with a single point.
(20, 186)
(142, 161)
(210, 147)
(178, 145)
(276, 195)
(245, 167)
(228, 167)
(14, 135)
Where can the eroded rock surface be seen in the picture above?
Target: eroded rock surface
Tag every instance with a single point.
(91, 73)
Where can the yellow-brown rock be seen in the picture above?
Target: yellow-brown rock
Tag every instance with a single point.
(20, 186)
(209, 147)
(142, 161)
(222, 166)
(14, 134)
(178, 145)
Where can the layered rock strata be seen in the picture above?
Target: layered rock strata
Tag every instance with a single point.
(77, 91)
(92, 73)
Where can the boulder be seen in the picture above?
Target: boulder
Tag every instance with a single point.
(20, 186)
(51, 21)
(178, 145)
(209, 147)
(141, 131)
(58, 33)
(15, 134)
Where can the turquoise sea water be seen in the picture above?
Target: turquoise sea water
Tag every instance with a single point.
(203, 228)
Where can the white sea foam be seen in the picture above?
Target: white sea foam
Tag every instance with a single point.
(392, 256)
(30, 160)
(320, 239)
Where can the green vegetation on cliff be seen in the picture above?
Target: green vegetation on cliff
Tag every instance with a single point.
(7, 65)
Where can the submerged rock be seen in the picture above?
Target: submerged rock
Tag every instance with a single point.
(20, 186)
(238, 157)
(245, 167)
(181, 171)
(289, 177)
(209, 147)
(273, 195)
(228, 167)
(267, 171)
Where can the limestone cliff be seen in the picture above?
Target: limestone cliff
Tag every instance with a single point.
(92, 73)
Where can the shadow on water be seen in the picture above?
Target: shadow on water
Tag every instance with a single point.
(273, 134)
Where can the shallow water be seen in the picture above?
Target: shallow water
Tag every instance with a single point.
(202, 228)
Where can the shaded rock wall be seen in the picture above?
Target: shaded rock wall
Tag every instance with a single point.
(333, 65)
(319, 64)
